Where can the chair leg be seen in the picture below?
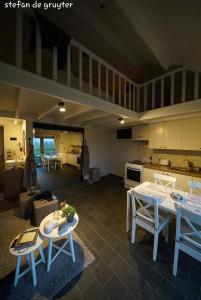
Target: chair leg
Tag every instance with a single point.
(166, 233)
(133, 233)
(155, 246)
(176, 256)
(128, 213)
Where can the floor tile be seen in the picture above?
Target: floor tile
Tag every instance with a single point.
(115, 289)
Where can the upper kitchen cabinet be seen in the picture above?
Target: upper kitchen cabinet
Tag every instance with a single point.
(156, 136)
(191, 135)
(140, 133)
(172, 135)
(165, 135)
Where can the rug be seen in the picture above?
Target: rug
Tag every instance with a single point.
(62, 271)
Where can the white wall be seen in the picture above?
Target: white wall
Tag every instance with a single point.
(13, 131)
(98, 141)
(121, 151)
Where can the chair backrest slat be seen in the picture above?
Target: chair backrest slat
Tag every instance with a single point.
(164, 180)
(194, 186)
(145, 202)
(192, 221)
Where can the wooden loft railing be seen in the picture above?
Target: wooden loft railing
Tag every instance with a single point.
(180, 85)
(90, 74)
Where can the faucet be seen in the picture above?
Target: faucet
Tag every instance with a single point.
(190, 164)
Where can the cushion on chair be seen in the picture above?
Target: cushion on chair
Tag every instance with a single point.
(141, 218)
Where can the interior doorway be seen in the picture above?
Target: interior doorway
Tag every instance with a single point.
(1, 147)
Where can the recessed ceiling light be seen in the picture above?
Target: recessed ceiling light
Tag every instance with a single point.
(122, 121)
(61, 107)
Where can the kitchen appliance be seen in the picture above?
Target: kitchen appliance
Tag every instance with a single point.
(133, 174)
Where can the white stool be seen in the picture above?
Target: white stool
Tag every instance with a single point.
(54, 235)
(30, 258)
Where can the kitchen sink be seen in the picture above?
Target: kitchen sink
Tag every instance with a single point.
(182, 169)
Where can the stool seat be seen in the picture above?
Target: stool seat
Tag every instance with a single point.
(30, 257)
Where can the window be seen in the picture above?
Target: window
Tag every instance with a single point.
(49, 146)
(37, 144)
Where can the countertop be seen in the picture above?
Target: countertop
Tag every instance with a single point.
(172, 170)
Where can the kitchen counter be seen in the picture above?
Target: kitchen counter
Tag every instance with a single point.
(176, 170)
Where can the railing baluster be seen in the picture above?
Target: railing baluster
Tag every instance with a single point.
(38, 49)
(106, 85)
(138, 99)
(54, 67)
(99, 80)
(80, 69)
(113, 86)
(90, 74)
(124, 92)
(18, 58)
(183, 85)
(196, 87)
(119, 90)
(172, 89)
(162, 91)
(145, 97)
(129, 96)
(134, 87)
(153, 94)
(69, 65)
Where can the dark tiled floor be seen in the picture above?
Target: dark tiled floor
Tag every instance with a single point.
(122, 270)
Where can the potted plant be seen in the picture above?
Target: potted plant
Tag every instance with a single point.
(69, 212)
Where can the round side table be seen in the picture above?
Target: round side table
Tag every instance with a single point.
(30, 258)
(54, 235)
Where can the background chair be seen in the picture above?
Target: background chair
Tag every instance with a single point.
(188, 234)
(147, 216)
(194, 187)
(43, 161)
(164, 180)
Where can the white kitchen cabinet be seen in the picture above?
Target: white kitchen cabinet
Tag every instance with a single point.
(140, 133)
(191, 134)
(182, 180)
(172, 135)
(181, 183)
(156, 136)
(165, 135)
(198, 179)
(72, 159)
(148, 174)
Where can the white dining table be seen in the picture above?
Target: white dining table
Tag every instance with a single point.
(50, 158)
(166, 202)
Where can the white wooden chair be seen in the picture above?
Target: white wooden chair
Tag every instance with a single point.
(44, 162)
(194, 187)
(188, 234)
(164, 180)
(147, 216)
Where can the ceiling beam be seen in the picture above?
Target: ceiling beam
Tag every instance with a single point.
(89, 116)
(77, 113)
(48, 111)
(101, 120)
